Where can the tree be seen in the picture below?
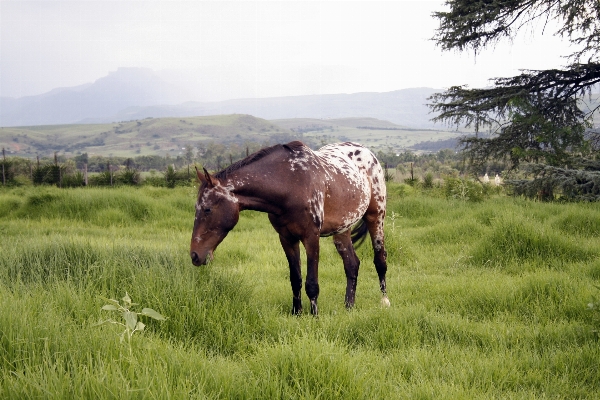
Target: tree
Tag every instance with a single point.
(540, 116)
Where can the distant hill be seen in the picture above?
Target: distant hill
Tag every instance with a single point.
(149, 136)
(160, 136)
(404, 107)
(101, 100)
(138, 93)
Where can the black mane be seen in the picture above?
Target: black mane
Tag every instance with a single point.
(294, 146)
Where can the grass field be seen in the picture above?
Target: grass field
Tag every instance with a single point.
(489, 300)
(377, 134)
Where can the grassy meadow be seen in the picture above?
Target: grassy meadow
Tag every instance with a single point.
(488, 300)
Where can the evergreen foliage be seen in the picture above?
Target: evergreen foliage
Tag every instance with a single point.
(539, 116)
(550, 182)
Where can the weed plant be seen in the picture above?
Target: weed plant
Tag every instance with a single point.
(490, 299)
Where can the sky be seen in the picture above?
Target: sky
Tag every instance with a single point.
(218, 50)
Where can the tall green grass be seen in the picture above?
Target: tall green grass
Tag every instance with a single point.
(488, 301)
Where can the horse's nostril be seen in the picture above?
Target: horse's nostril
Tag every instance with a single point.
(195, 258)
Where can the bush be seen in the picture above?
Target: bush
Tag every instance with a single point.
(7, 170)
(101, 179)
(73, 180)
(411, 181)
(428, 181)
(49, 174)
(170, 178)
(463, 189)
(128, 176)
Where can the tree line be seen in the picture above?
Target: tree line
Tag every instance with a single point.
(99, 170)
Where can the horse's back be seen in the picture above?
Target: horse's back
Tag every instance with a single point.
(367, 167)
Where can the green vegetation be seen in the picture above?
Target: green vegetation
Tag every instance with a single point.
(222, 134)
(147, 137)
(490, 299)
(170, 172)
(541, 122)
(376, 134)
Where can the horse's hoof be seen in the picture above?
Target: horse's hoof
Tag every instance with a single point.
(313, 308)
(296, 306)
(385, 302)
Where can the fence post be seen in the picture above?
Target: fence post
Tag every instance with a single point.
(3, 162)
(58, 168)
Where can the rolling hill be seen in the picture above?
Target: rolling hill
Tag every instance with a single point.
(160, 136)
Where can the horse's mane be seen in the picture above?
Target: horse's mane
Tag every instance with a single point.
(292, 146)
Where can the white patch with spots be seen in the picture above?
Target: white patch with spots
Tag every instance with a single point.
(299, 161)
(219, 190)
(317, 208)
(357, 164)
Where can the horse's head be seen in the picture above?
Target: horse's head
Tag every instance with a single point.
(217, 212)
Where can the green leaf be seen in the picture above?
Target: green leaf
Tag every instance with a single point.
(110, 307)
(127, 299)
(115, 302)
(130, 319)
(140, 326)
(153, 314)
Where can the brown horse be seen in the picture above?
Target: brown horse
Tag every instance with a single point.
(307, 194)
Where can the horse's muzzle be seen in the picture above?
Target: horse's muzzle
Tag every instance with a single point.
(197, 261)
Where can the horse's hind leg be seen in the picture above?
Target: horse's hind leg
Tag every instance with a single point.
(374, 222)
(343, 244)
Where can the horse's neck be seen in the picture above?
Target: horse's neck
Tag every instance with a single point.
(253, 192)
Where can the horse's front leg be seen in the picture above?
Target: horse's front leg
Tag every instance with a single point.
(311, 244)
(291, 248)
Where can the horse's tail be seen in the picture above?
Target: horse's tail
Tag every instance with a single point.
(359, 233)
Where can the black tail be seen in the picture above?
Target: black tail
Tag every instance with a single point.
(359, 233)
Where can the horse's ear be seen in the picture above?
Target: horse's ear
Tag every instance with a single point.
(209, 179)
(201, 177)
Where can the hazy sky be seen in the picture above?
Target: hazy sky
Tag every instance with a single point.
(249, 48)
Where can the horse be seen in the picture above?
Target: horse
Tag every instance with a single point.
(338, 190)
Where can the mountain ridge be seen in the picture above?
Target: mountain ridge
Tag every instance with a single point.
(137, 93)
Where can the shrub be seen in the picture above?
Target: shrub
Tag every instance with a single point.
(73, 180)
(428, 180)
(101, 179)
(128, 176)
(463, 189)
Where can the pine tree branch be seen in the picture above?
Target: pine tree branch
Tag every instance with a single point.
(478, 24)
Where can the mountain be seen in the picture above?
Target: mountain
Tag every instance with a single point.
(102, 99)
(138, 93)
(404, 107)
